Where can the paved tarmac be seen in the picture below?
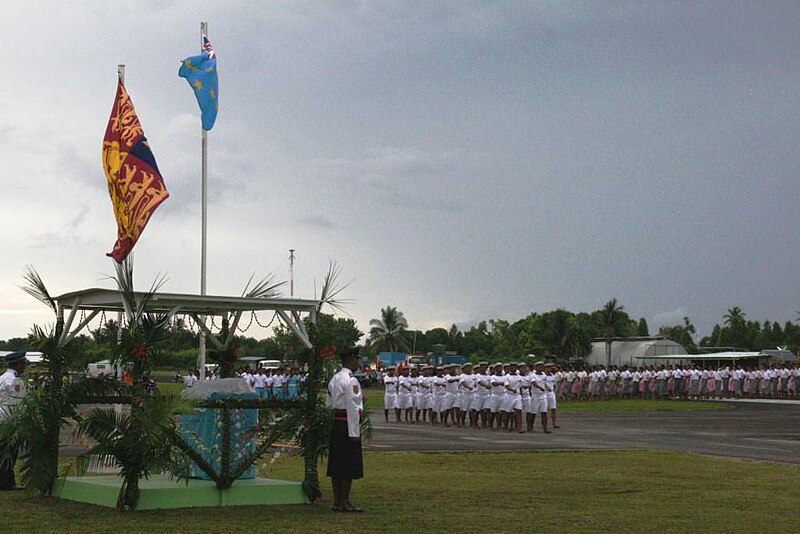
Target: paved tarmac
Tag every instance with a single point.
(756, 430)
(761, 430)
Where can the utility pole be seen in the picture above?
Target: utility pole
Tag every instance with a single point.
(291, 272)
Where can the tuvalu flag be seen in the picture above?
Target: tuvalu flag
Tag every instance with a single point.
(201, 73)
(134, 182)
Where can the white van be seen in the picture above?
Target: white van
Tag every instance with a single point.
(103, 368)
(269, 364)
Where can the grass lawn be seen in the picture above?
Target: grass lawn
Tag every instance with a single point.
(637, 491)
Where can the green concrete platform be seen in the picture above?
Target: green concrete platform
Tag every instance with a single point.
(160, 492)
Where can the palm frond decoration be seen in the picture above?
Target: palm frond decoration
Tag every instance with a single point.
(331, 288)
(264, 288)
(139, 441)
(35, 287)
(134, 309)
(28, 428)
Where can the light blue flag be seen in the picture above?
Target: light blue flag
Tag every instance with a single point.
(201, 73)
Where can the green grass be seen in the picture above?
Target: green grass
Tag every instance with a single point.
(638, 491)
(170, 388)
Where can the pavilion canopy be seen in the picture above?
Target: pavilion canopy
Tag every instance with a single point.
(92, 301)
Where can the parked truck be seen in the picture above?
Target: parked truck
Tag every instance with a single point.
(385, 359)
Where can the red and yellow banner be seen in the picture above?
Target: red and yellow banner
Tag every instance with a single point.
(134, 182)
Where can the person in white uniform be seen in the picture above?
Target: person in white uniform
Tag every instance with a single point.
(451, 394)
(345, 460)
(525, 393)
(498, 383)
(12, 391)
(425, 394)
(467, 396)
(539, 396)
(550, 395)
(390, 383)
(439, 393)
(405, 395)
(483, 387)
(511, 406)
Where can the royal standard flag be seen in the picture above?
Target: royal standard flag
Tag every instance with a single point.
(201, 73)
(134, 182)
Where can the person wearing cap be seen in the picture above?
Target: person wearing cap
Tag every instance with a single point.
(450, 396)
(482, 393)
(550, 395)
(538, 396)
(439, 391)
(345, 461)
(425, 394)
(498, 383)
(525, 393)
(390, 402)
(405, 395)
(12, 391)
(511, 404)
(467, 397)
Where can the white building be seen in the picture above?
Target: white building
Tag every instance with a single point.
(634, 352)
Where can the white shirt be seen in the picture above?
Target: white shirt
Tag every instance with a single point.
(451, 386)
(483, 385)
(406, 385)
(12, 389)
(498, 385)
(390, 384)
(344, 393)
(259, 380)
(512, 385)
(538, 384)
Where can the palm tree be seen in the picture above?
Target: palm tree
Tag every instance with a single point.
(612, 321)
(734, 317)
(387, 333)
(140, 442)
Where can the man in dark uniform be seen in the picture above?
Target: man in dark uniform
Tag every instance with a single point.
(12, 390)
(345, 462)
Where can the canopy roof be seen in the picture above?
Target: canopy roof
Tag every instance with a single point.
(111, 300)
(95, 300)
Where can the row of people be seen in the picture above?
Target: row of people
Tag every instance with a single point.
(688, 382)
(501, 396)
(268, 383)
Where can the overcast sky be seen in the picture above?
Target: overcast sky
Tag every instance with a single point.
(460, 161)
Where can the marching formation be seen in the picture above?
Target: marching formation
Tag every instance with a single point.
(509, 396)
(500, 396)
(681, 382)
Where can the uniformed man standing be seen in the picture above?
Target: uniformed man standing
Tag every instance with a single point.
(345, 462)
(390, 401)
(12, 390)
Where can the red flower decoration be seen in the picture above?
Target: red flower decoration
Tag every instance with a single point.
(139, 351)
(328, 352)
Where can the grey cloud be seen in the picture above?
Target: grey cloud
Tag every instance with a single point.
(316, 221)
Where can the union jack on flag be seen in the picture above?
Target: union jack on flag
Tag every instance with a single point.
(208, 48)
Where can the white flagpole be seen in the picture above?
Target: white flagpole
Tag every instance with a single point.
(201, 352)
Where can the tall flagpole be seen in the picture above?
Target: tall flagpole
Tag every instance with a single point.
(201, 352)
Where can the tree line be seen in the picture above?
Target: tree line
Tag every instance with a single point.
(566, 335)
(559, 333)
